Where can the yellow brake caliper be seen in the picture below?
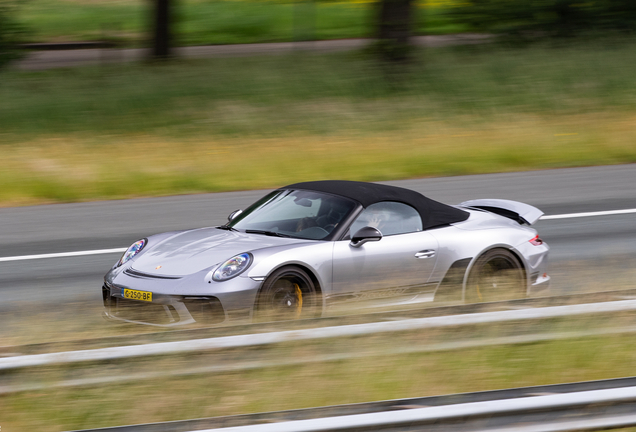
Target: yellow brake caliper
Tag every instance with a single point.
(299, 304)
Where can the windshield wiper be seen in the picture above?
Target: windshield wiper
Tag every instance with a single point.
(226, 228)
(268, 233)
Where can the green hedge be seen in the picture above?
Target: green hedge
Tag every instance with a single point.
(548, 18)
(11, 33)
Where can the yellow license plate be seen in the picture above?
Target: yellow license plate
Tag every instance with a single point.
(138, 295)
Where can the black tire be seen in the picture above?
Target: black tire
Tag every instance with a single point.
(497, 275)
(287, 294)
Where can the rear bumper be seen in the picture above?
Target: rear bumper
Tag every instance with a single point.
(536, 263)
(540, 286)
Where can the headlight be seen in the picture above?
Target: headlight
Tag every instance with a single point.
(133, 250)
(232, 267)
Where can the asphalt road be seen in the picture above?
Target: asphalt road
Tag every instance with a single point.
(585, 251)
(38, 60)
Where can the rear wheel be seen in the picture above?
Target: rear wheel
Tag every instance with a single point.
(496, 275)
(288, 294)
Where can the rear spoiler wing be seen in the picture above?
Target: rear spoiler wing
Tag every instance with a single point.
(515, 210)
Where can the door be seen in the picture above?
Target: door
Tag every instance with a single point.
(397, 266)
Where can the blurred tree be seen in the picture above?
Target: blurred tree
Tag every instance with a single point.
(394, 29)
(11, 33)
(622, 14)
(548, 18)
(162, 37)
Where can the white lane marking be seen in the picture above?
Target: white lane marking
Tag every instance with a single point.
(63, 254)
(588, 214)
(121, 250)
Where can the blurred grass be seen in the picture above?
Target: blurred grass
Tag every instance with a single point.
(39, 323)
(388, 376)
(201, 22)
(188, 126)
(75, 321)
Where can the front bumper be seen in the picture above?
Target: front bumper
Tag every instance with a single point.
(188, 300)
(164, 311)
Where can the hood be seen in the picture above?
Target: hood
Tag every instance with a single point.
(195, 250)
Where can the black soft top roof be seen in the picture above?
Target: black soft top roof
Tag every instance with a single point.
(432, 212)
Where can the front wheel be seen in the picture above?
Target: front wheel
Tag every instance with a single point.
(288, 294)
(497, 275)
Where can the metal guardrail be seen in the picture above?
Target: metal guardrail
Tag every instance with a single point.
(434, 417)
(252, 340)
(238, 328)
(591, 405)
(222, 361)
(83, 378)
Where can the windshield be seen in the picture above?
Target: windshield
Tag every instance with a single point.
(295, 213)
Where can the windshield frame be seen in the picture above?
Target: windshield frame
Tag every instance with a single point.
(336, 233)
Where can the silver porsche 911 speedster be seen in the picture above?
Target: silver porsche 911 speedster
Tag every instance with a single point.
(311, 248)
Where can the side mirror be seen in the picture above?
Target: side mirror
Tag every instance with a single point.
(364, 235)
(233, 215)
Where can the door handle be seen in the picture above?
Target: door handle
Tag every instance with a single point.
(425, 254)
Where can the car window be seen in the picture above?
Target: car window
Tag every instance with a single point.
(296, 213)
(389, 218)
(290, 206)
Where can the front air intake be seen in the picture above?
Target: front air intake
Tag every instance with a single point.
(205, 310)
